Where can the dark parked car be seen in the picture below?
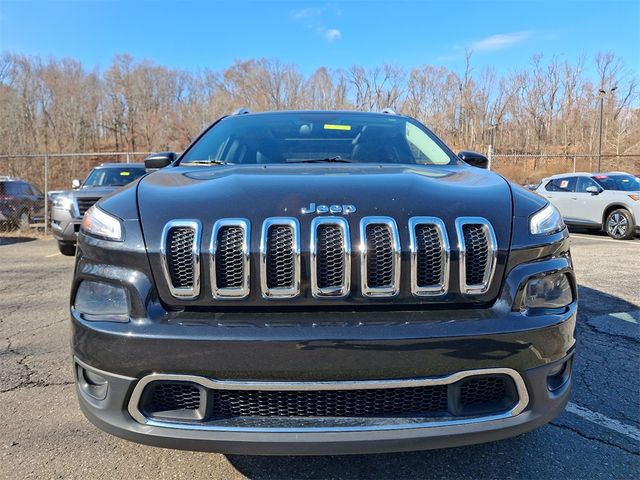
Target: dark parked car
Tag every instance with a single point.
(322, 283)
(69, 207)
(21, 204)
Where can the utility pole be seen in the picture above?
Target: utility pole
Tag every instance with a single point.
(602, 93)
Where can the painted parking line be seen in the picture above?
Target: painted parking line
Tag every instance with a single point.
(626, 316)
(603, 239)
(604, 421)
(52, 255)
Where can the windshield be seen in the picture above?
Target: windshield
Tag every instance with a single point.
(299, 137)
(113, 176)
(624, 182)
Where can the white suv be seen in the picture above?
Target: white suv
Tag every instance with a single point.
(607, 201)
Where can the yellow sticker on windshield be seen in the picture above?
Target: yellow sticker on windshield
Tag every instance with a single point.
(329, 126)
(125, 174)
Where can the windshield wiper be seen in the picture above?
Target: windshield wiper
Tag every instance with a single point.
(204, 162)
(336, 159)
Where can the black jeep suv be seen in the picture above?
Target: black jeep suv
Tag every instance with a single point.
(321, 283)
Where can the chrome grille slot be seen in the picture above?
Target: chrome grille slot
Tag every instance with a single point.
(430, 253)
(477, 243)
(330, 257)
(180, 254)
(280, 258)
(380, 257)
(230, 258)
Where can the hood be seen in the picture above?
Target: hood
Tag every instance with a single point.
(94, 192)
(255, 193)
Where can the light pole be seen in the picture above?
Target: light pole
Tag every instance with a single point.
(602, 93)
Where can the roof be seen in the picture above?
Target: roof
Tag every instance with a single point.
(316, 112)
(583, 174)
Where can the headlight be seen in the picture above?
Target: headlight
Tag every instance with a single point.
(551, 291)
(100, 224)
(102, 301)
(65, 203)
(546, 221)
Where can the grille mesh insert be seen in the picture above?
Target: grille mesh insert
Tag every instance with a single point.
(379, 256)
(429, 255)
(230, 257)
(172, 396)
(330, 403)
(477, 391)
(280, 257)
(179, 256)
(330, 262)
(477, 245)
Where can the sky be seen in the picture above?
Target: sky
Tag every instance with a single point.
(213, 34)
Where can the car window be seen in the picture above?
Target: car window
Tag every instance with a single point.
(299, 136)
(583, 183)
(623, 182)
(113, 176)
(564, 184)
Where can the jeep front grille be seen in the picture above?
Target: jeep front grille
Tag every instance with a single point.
(430, 253)
(380, 257)
(280, 258)
(180, 252)
(229, 253)
(330, 257)
(330, 261)
(477, 244)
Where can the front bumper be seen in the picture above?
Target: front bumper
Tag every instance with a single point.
(542, 406)
(65, 225)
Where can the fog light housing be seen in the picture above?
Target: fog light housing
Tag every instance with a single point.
(549, 291)
(99, 301)
(92, 383)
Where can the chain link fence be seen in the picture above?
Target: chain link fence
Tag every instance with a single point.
(26, 180)
(34, 177)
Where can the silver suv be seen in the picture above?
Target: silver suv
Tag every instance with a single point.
(606, 201)
(69, 207)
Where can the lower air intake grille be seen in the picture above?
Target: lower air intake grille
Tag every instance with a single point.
(180, 256)
(230, 257)
(379, 256)
(280, 257)
(478, 391)
(331, 265)
(471, 396)
(330, 403)
(477, 261)
(163, 397)
(429, 256)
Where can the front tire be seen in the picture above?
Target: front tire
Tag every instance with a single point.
(619, 224)
(68, 249)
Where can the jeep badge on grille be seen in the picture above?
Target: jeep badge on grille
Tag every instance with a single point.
(313, 208)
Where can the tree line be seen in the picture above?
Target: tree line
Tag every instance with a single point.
(548, 106)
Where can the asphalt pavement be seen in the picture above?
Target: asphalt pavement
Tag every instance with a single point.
(43, 434)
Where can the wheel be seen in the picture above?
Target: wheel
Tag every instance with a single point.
(619, 225)
(23, 222)
(68, 249)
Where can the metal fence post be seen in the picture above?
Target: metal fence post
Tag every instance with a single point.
(574, 164)
(128, 161)
(46, 194)
(490, 156)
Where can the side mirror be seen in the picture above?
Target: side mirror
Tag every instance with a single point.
(159, 160)
(474, 159)
(75, 183)
(593, 190)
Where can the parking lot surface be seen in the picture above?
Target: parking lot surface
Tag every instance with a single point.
(44, 435)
